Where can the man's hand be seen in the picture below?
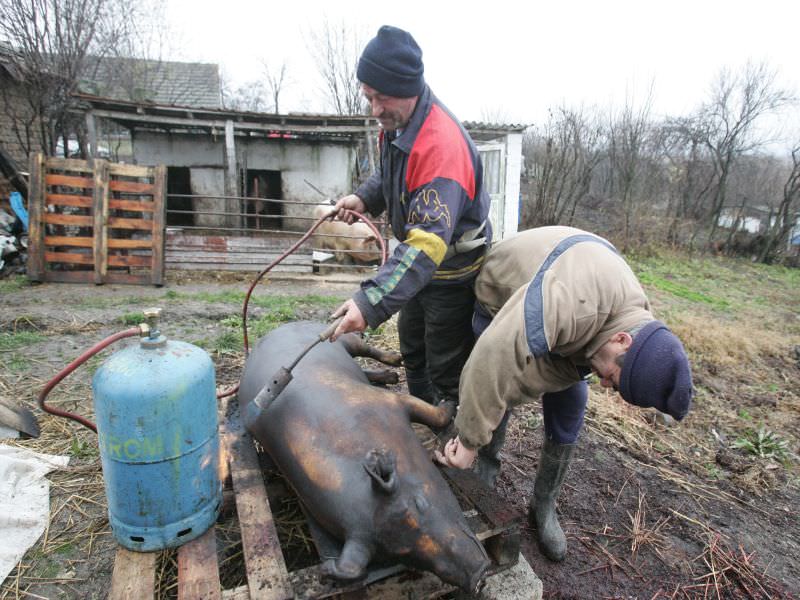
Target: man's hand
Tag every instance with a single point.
(456, 455)
(353, 319)
(350, 202)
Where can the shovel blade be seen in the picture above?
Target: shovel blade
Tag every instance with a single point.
(19, 418)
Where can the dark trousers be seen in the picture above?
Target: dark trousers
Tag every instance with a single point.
(435, 330)
(563, 414)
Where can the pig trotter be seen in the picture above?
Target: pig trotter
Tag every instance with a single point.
(381, 465)
(381, 376)
(351, 564)
(356, 346)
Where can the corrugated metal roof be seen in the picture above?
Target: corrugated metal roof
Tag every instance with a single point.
(497, 127)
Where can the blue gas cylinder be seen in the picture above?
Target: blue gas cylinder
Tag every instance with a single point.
(156, 410)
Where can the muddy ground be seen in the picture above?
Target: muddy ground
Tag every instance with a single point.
(650, 510)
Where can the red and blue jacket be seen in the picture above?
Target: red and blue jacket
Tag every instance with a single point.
(430, 183)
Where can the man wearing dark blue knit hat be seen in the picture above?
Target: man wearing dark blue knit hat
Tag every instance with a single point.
(430, 183)
(553, 304)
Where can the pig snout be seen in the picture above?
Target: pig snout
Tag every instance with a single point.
(464, 564)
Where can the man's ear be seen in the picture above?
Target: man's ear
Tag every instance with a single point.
(624, 339)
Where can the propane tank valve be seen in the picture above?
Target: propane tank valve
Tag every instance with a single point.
(151, 336)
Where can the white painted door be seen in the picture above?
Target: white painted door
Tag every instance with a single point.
(494, 166)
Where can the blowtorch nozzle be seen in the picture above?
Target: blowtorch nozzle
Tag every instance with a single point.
(283, 377)
(273, 388)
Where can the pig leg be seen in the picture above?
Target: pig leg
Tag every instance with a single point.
(419, 411)
(356, 346)
(381, 376)
(352, 562)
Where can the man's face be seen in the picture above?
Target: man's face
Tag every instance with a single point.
(392, 113)
(604, 362)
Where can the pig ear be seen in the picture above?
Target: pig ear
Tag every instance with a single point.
(381, 465)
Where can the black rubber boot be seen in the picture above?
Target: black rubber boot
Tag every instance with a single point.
(487, 468)
(487, 465)
(553, 465)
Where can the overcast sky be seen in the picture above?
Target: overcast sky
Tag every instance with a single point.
(513, 59)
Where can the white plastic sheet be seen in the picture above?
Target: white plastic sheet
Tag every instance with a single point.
(24, 501)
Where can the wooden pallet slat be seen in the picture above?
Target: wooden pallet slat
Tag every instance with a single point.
(124, 223)
(134, 575)
(69, 258)
(58, 219)
(159, 225)
(68, 181)
(69, 200)
(129, 244)
(35, 265)
(131, 205)
(118, 260)
(267, 575)
(130, 187)
(100, 207)
(198, 571)
(63, 240)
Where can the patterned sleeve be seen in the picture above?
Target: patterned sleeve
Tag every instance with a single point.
(433, 211)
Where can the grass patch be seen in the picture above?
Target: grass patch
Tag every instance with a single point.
(681, 291)
(278, 311)
(130, 319)
(12, 284)
(80, 448)
(17, 363)
(12, 341)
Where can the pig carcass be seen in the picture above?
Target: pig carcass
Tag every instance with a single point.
(350, 453)
(349, 244)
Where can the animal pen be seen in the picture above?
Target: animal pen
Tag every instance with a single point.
(102, 222)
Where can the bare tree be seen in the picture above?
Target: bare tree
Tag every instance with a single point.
(250, 96)
(50, 45)
(561, 159)
(780, 227)
(493, 115)
(275, 77)
(690, 177)
(336, 50)
(737, 102)
(628, 133)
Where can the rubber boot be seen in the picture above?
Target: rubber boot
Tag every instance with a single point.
(487, 465)
(553, 465)
(487, 468)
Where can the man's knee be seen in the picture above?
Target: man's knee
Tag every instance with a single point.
(564, 412)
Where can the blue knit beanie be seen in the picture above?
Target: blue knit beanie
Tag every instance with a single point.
(656, 372)
(392, 64)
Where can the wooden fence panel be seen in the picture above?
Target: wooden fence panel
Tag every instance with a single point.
(95, 221)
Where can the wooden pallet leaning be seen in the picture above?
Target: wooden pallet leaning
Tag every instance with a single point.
(78, 212)
(267, 576)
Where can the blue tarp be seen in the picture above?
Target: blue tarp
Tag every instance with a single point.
(19, 208)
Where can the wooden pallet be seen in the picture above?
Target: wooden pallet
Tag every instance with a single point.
(96, 222)
(267, 575)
